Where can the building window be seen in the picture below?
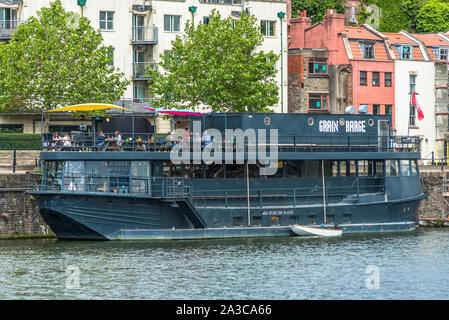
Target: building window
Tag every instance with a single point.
(318, 102)
(387, 79)
(443, 54)
(388, 109)
(140, 92)
(367, 49)
(11, 128)
(412, 83)
(106, 20)
(406, 52)
(206, 20)
(172, 23)
(268, 28)
(8, 19)
(363, 78)
(376, 109)
(317, 66)
(111, 57)
(440, 53)
(376, 79)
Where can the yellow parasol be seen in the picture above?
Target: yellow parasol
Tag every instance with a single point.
(88, 107)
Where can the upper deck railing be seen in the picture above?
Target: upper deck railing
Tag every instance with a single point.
(146, 142)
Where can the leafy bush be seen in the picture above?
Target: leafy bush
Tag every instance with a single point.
(20, 141)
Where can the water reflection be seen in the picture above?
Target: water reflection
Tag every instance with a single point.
(411, 266)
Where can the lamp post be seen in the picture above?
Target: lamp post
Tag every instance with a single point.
(81, 3)
(192, 10)
(281, 15)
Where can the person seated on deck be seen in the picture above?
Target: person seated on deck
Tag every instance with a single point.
(117, 139)
(170, 140)
(56, 140)
(140, 145)
(206, 138)
(186, 135)
(100, 140)
(197, 138)
(66, 141)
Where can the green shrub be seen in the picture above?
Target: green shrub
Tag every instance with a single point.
(20, 141)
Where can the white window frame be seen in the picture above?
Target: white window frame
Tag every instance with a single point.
(171, 17)
(108, 19)
(266, 31)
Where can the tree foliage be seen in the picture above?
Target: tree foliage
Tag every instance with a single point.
(316, 9)
(433, 16)
(217, 65)
(56, 59)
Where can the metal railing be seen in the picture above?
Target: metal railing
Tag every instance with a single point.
(144, 35)
(177, 188)
(144, 142)
(140, 69)
(7, 27)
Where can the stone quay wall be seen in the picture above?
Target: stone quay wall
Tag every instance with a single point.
(20, 218)
(19, 213)
(25, 159)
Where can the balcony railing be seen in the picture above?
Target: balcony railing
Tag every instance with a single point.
(7, 27)
(140, 69)
(144, 35)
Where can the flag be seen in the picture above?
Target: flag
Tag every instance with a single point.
(418, 108)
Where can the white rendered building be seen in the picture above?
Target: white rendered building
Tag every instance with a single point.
(140, 31)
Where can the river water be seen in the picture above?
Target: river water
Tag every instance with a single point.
(412, 265)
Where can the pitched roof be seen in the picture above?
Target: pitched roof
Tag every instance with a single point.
(361, 33)
(431, 39)
(398, 38)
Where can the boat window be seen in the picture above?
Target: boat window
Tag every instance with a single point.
(253, 171)
(312, 168)
(96, 176)
(275, 220)
(235, 171)
(53, 174)
(330, 219)
(392, 167)
(328, 168)
(119, 176)
(193, 171)
(257, 221)
(279, 172)
(352, 168)
(291, 169)
(171, 170)
(214, 171)
(334, 168)
(405, 168)
(366, 168)
(73, 179)
(344, 169)
(140, 175)
(380, 166)
(414, 167)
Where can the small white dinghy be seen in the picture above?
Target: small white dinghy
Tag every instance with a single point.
(315, 231)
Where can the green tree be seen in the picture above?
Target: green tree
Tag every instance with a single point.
(433, 16)
(217, 65)
(56, 59)
(316, 9)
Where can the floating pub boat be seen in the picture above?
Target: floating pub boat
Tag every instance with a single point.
(346, 170)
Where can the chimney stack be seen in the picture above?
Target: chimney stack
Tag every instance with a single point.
(297, 27)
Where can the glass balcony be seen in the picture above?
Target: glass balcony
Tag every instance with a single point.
(140, 69)
(144, 35)
(7, 28)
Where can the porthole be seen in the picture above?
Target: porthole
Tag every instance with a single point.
(371, 122)
(342, 122)
(310, 121)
